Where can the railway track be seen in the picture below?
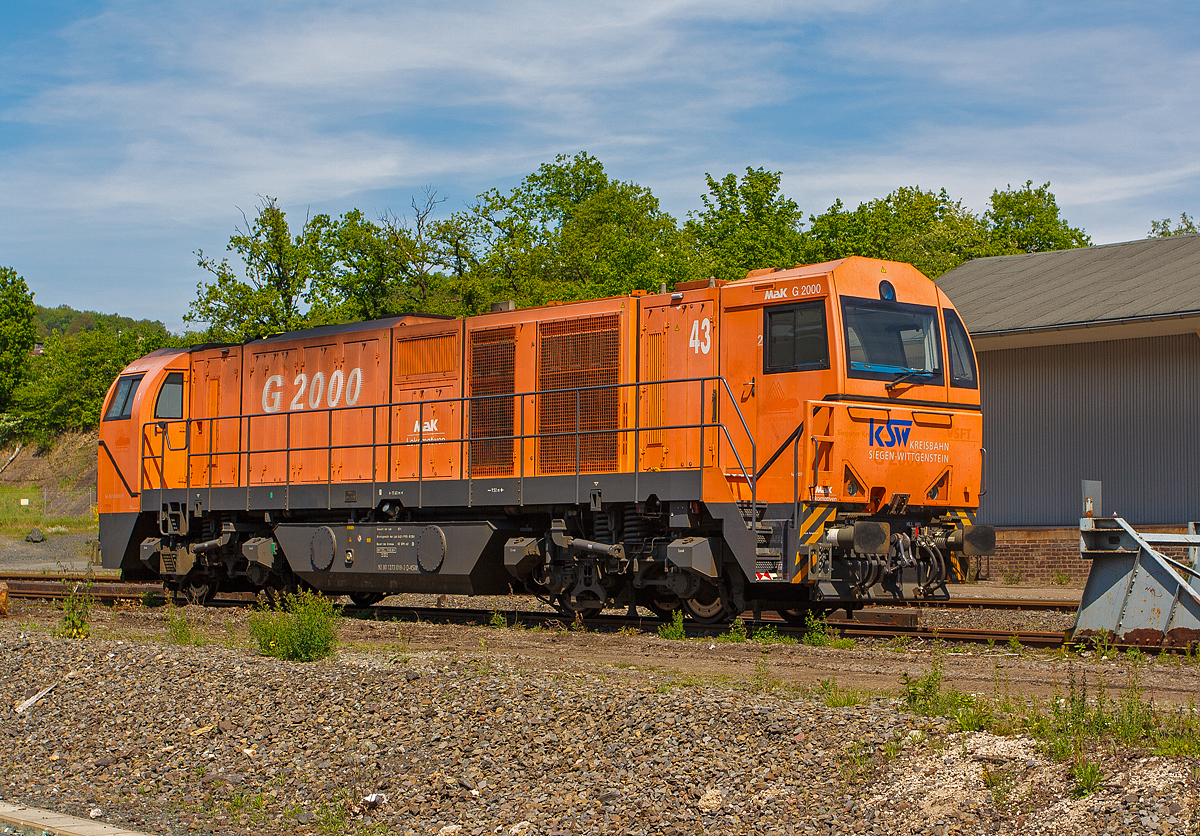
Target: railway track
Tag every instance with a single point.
(884, 620)
(28, 585)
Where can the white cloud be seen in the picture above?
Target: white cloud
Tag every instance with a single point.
(160, 120)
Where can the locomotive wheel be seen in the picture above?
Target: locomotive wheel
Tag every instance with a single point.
(198, 590)
(796, 618)
(582, 607)
(662, 604)
(366, 599)
(707, 607)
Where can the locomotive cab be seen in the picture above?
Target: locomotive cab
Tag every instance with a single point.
(865, 397)
(149, 390)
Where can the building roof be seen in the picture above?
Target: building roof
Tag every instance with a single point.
(1130, 284)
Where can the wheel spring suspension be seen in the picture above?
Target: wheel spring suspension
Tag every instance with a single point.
(634, 529)
(603, 532)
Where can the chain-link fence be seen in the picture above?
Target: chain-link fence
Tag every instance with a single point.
(39, 506)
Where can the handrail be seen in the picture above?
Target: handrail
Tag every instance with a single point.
(465, 439)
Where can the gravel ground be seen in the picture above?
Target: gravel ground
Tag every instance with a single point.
(516, 731)
(58, 552)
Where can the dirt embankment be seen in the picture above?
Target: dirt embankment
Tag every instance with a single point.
(69, 465)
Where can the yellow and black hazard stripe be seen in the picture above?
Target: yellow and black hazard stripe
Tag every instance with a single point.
(962, 516)
(812, 527)
(959, 566)
(812, 524)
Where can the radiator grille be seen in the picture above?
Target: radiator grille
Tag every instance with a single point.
(577, 353)
(426, 355)
(492, 372)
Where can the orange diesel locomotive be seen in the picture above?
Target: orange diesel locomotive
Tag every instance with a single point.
(799, 439)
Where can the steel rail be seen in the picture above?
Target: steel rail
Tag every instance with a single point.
(108, 587)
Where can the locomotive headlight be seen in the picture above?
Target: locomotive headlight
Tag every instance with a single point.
(886, 292)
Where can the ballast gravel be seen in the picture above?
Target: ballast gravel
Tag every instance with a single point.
(385, 739)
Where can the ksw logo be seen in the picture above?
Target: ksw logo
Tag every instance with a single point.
(428, 427)
(897, 433)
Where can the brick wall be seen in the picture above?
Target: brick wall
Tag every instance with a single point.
(1044, 556)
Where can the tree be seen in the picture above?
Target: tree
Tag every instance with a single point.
(278, 267)
(925, 228)
(1163, 229)
(382, 269)
(748, 224)
(1027, 219)
(567, 231)
(66, 386)
(17, 332)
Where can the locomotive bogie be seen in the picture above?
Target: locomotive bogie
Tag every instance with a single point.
(801, 439)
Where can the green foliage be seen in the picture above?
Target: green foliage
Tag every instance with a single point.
(498, 620)
(673, 629)
(769, 635)
(76, 611)
(17, 332)
(66, 386)
(747, 224)
(736, 632)
(924, 228)
(1026, 219)
(763, 681)
(278, 267)
(180, 631)
(1163, 228)
(817, 632)
(1088, 777)
(567, 232)
(300, 627)
(1061, 578)
(927, 695)
(68, 321)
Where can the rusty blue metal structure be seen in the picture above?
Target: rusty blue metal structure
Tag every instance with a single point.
(1135, 593)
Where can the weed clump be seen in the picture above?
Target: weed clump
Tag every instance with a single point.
(76, 611)
(180, 630)
(769, 635)
(673, 629)
(299, 627)
(736, 632)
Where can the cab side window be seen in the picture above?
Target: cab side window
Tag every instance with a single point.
(796, 337)
(962, 360)
(170, 397)
(121, 405)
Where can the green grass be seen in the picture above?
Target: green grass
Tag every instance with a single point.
(835, 696)
(1070, 725)
(180, 630)
(16, 518)
(302, 627)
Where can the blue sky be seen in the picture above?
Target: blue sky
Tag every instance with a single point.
(132, 132)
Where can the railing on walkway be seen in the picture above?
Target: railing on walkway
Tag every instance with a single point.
(161, 439)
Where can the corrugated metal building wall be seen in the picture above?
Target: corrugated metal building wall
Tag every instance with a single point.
(1126, 412)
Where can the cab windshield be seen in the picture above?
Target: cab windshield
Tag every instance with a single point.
(121, 405)
(892, 341)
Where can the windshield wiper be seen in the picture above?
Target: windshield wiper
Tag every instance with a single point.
(909, 375)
